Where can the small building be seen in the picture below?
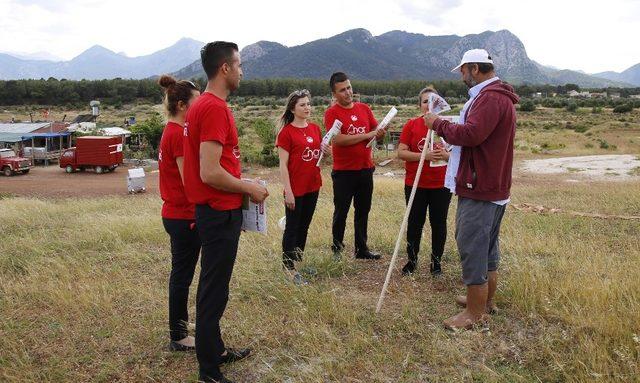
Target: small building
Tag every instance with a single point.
(599, 95)
(634, 95)
(614, 95)
(573, 93)
(40, 141)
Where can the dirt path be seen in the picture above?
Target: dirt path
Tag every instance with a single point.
(53, 182)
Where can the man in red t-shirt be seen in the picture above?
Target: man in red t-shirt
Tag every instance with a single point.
(353, 167)
(212, 182)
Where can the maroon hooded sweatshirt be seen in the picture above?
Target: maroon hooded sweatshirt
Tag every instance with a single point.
(486, 139)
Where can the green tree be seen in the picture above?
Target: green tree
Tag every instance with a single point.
(151, 130)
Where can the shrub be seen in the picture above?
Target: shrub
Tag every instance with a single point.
(580, 128)
(265, 130)
(268, 156)
(527, 106)
(624, 108)
(571, 106)
(605, 145)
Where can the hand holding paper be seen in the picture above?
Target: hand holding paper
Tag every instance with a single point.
(383, 124)
(437, 104)
(326, 140)
(254, 213)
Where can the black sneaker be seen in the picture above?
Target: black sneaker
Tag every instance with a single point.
(337, 252)
(435, 267)
(234, 355)
(409, 268)
(368, 255)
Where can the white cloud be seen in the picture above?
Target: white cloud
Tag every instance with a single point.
(567, 34)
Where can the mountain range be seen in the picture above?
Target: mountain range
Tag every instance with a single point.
(393, 55)
(630, 75)
(98, 62)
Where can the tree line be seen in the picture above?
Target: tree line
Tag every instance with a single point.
(119, 91)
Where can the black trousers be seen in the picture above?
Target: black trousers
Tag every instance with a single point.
(437, 202)
(219, 232)
(356, 185)
(294, 238)
(185, 248)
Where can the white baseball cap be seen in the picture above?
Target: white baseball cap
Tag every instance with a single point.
(474, 56)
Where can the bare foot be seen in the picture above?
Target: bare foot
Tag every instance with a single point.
(464, 320)
(492, 308)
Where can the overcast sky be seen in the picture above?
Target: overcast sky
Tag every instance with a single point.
(585, 35)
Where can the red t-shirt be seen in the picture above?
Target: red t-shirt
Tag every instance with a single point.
(414, 135)
(209, 119)
(176, 205)
(303, 145)
(356, 120)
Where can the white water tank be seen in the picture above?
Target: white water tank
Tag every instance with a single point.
(95, 107)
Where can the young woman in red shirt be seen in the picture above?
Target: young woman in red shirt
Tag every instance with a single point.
(430, 194)
(178, 215)
(298, 143)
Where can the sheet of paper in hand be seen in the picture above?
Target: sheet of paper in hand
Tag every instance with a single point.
(436, 142)
(254, 215)
(437, 104)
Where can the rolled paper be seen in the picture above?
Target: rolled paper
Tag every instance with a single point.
(385, 121)
(326, 140)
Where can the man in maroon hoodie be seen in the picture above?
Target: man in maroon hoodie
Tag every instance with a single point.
(482, 182)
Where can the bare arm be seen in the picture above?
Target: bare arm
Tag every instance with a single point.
(180, 162)
(289, 199)
(348, 139)
(214, 175)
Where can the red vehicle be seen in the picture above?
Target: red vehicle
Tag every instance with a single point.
(11, 164)
(101, 153)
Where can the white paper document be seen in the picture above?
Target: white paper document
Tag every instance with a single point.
(254, 215)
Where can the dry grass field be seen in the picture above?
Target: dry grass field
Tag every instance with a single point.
(83, 284)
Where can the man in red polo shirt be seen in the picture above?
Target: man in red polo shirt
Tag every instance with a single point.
(212, 182)
(353, 167)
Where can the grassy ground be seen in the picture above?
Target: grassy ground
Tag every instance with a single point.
(83, 284)
(83, 297)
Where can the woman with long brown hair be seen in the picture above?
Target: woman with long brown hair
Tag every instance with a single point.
(178, 215)
(298, 142)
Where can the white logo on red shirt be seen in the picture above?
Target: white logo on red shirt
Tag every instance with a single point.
(356, 130)
(160, 155)
(310, 140)
(421, 144)
(310, 154)
(236, 151)
(354, 118)
(185, 131)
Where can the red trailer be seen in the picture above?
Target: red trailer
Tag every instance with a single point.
(98, 152)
